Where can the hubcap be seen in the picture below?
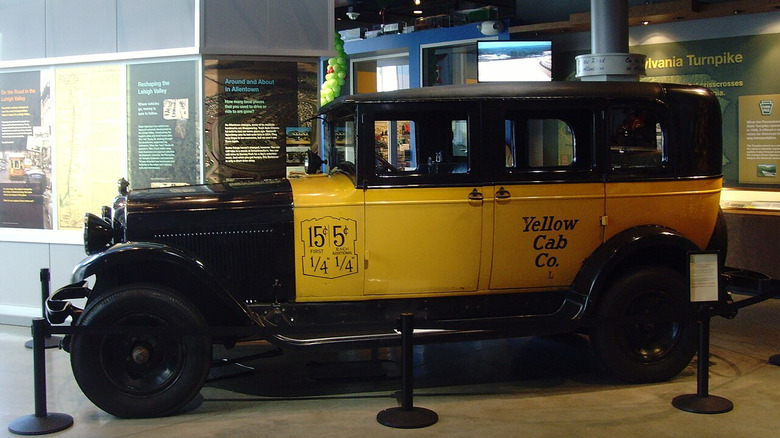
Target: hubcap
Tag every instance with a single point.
(145, 364)
(141, 355)
(651, 340)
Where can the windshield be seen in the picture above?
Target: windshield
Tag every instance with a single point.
(341, 145)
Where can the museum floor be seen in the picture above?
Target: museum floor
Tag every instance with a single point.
(531, 387)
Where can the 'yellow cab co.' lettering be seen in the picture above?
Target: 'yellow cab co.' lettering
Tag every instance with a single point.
(549, 239)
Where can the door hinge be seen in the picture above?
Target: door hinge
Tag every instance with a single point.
(604, 221)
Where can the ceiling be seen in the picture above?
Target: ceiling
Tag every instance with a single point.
(537, 15)
(377, 12)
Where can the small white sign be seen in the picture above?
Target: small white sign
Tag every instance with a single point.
(704, 276)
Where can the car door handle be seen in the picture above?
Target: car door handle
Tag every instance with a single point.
(476, 195)
(503, 193)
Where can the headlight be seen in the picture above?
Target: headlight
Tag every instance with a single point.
(98, 234)
(313, 163)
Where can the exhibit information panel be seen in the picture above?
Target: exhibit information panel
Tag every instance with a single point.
(259, 118)
(89, 140)
(759, 139)
(163, 107)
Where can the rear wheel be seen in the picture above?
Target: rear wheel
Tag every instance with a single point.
(644, 334)
(140, 374)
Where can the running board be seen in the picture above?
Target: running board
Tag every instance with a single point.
(372, 339)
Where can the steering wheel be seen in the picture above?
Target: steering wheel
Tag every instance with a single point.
(347, 167)
(384, 166)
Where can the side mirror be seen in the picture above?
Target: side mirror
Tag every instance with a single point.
(313, 163)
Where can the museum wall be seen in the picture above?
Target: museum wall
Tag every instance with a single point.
(123, 85)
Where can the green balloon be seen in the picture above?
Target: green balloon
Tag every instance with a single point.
(341, 74)
(341, 60)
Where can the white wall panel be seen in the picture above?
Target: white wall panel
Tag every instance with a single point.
(155, 24)
(80, 27)
(268, 27)
(22, 29)
(20, 276)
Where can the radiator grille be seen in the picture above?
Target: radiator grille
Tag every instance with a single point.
(245, 258)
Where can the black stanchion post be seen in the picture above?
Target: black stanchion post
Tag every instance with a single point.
(42, 422)
(50, 341)
(702, 402)
(407, 416)
(705, 288)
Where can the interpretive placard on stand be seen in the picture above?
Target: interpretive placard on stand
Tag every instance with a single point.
(704, 276)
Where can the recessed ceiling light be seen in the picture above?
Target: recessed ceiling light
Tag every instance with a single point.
(418, 12)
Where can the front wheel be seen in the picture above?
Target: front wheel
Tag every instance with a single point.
(145, 374)
(644, 334)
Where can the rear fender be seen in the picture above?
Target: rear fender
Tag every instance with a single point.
(647, 245)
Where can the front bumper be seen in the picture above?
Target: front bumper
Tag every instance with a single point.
(59, 307)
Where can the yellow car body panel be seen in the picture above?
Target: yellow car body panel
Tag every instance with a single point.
(543, 232)
(689, 207)
(329, 238)
(440, 253)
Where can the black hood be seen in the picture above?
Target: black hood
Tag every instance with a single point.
(226, 206)
(211, 197)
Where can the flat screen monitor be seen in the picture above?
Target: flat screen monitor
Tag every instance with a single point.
(514, 61)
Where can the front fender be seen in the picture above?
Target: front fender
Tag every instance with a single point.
(131, 252)
(163, 264)
(645, 245)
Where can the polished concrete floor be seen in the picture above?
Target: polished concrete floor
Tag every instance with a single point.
(531, 387)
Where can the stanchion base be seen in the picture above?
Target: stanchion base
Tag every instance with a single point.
(414, 418)
(48, 342)
(33, 425)
(775, 360)
(711, 404)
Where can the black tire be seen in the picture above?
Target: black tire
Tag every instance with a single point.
(140, 375)
(645, 351)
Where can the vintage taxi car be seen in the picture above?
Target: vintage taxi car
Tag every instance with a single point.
(483, 210)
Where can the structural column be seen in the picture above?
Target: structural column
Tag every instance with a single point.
(609, 59)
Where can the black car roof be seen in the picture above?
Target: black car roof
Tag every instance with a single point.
(529, 90)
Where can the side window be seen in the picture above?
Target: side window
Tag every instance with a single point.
(533, 143)
(636, 139)
(392, 145)
(343, 142)
(411, 144)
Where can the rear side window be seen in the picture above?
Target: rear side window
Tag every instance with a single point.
(539, 143)
(548, 144)
(637, 139)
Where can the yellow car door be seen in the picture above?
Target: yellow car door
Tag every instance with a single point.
(549, 202)
(423, 240)
(423, 203)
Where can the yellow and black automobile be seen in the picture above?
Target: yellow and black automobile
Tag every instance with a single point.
(483, 210)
